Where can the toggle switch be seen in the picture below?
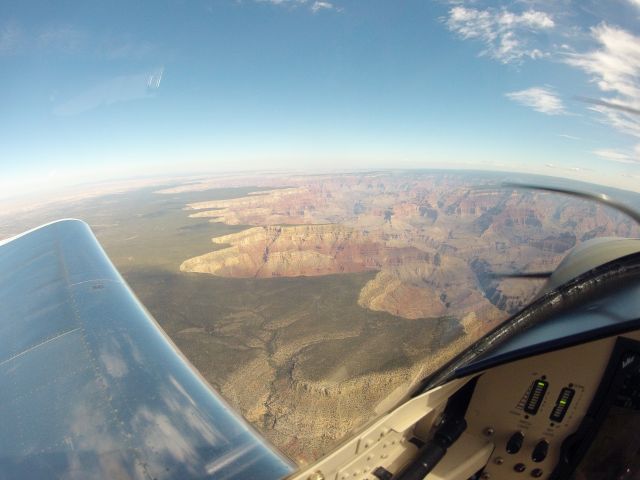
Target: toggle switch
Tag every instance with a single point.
(540, 451)
(515, 443)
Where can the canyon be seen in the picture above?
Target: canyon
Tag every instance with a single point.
(314, 303)
(425, 246)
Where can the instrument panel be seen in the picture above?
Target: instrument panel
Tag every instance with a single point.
(518, 417)
(528, 408)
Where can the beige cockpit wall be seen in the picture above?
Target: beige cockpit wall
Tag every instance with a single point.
(497, 414)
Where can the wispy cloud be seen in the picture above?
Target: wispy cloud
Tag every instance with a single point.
(541, 99)
(61, 38)
(317, 6)
(118, 89)
(314, 6)
(612, 63)
(614, 155)
(614, 105)
(614, 66)
(126, 46)
(567, 169)
(15, 39)
(67, 39)
(507, 36)
(569, 137)
(282, 2)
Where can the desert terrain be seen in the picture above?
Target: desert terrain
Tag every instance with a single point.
(311, 302)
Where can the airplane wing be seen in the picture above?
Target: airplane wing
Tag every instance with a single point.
(91, 387)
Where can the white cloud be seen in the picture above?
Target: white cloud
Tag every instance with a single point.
(317, 6)
(507, 36)
(612, 63)
(614, 155)
(531, 19)
(281, 2)
(540, 99)
(570, 137)
(629, 155)
(614, 66)
(566, 168)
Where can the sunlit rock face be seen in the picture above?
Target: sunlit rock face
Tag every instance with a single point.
(433, 240)
(292, 251)
(411, 283)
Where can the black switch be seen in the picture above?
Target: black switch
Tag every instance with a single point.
(519, 467)
(382, 473)
(515, 443)
(540, 451)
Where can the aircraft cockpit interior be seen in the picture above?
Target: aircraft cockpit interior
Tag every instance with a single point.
(557, 398)
(320, 240)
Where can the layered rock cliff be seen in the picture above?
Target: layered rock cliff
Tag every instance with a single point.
(426, 238)
(292, 251)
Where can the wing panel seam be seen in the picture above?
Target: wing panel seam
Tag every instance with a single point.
(30, 349)
(117, 421)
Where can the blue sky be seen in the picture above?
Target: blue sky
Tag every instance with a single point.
(91, 90)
